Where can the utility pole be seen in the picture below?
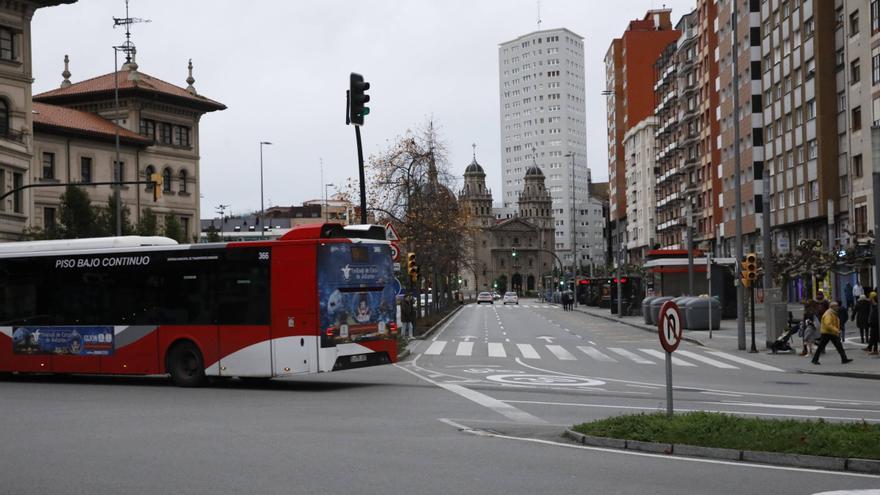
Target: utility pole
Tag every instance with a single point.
(689, 223)
(737, 179)
(875, 176)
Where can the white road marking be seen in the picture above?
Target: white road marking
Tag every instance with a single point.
(507, 340)
(591, 342)
(768, 406)
(465, 349)
(661, 355)
(744, 361)
(496, 349)
(528, 351)
(436, 347)
(630, 355)
(595, 354)
(721, 394)
(561, 353)
(567, 330)
(482, 399)
(707, 360)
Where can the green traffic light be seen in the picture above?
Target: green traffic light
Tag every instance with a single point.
(365, 111)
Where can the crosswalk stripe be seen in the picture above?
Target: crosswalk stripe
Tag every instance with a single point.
(707, 360)
(496, 349)
(528, 351)
(464, 349)
(436, 347)
(595, 354)
(744, 361)
(661, 355)
(561, 353)
(630, 355)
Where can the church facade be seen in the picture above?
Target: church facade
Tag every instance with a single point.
(514, 254)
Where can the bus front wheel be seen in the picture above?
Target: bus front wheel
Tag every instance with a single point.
(186, 366)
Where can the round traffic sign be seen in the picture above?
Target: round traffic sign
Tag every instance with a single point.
(395, 252)
(669, 326)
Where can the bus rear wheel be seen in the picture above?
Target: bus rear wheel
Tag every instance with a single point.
(186, 366)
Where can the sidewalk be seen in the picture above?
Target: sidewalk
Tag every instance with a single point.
(725, 339)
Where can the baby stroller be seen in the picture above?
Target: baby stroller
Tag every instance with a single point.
(782, 344)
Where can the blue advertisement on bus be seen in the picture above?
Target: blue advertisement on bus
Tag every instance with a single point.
(70, 341)
(355, 292)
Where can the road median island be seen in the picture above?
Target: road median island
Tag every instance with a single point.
(810, 444)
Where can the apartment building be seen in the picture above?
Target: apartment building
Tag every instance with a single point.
(629, 79)
(640, 180)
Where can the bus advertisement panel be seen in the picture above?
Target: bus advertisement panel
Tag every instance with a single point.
(356, 293)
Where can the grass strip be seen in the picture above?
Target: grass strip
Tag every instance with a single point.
(858, 440)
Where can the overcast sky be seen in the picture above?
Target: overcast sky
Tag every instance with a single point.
(281, 67)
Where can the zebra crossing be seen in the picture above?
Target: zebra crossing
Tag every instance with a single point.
(515, 306)
(640, 356)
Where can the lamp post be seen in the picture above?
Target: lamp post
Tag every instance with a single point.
(326, 216)
(262, 207)
(574, 258)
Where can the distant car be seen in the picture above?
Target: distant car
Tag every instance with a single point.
(511, 297)
(485, 297)
(496, 295)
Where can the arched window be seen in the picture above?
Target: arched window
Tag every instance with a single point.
(166, 180)
(183, 180)
(4, 117)
(148, 175)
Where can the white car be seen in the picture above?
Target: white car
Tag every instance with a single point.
(485, 297)
(511, 297)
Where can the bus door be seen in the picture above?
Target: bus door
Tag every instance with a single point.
(294, 331)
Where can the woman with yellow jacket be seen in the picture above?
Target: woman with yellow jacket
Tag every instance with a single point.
(830, 330)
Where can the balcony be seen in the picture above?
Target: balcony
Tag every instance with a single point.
(12, 135)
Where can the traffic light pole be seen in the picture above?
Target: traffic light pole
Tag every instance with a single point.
(752, 311)
(357, 133)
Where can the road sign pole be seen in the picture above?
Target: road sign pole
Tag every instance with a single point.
(669, 408)
(709, 278)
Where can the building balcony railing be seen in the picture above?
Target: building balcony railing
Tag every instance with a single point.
(12, 135)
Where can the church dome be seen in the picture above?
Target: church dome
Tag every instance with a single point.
(534, 170)
(474, 168)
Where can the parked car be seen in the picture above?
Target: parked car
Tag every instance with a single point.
(496, 295)
(511, 298)
(485, 297)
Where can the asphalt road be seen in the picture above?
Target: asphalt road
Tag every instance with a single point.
(453, 419)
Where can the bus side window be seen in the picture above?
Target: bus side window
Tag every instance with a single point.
(243, 288)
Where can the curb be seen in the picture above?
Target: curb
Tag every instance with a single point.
(401, 355)
(866, 466)
(639, 326)
(844, 374)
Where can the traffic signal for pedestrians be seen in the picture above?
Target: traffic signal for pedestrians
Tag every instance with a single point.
(357, 98)
(411, 267)
(158, 182)
(749, 269)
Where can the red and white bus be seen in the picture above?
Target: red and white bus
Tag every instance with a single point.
(321, 298)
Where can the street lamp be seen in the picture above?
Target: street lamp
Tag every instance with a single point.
(574, 258)
(326, 216)
(262, 207)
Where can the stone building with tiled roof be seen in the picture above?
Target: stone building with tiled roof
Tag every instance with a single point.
(75, 129)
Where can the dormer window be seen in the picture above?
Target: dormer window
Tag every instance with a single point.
(7, 44)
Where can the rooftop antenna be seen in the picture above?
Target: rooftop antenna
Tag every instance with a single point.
(539, 14)
(127, 21)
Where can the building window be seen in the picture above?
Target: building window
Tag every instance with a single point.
(875, 65)
(148, 128)
(4, 117)
(165, 137)
(857, 118)
(811, 109)
(809, 27)
(17, 182)
(182, 180)
(814, 190)
(148, 175)
(181, 136)
(48, 165)
(855, 73)
(48, 219)
(118, 171)
(802, 194)
(861, 223)
(7, 44)
(184, 224)
(875, 16)
(85, 170)
(857, 165)
(854, 23)
(166, 180)
(812, 149)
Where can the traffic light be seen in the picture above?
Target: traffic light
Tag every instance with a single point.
(158, 182)
(514, 253)
(357, 98)
(749, 269)
(411, 266)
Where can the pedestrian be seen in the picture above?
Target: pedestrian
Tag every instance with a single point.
(842, 315)
(407, 316)
(858, 291)
(849, 296)
(860, 315)
(822, 304)
(873, 325)
(808, 334)
(830, 331)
